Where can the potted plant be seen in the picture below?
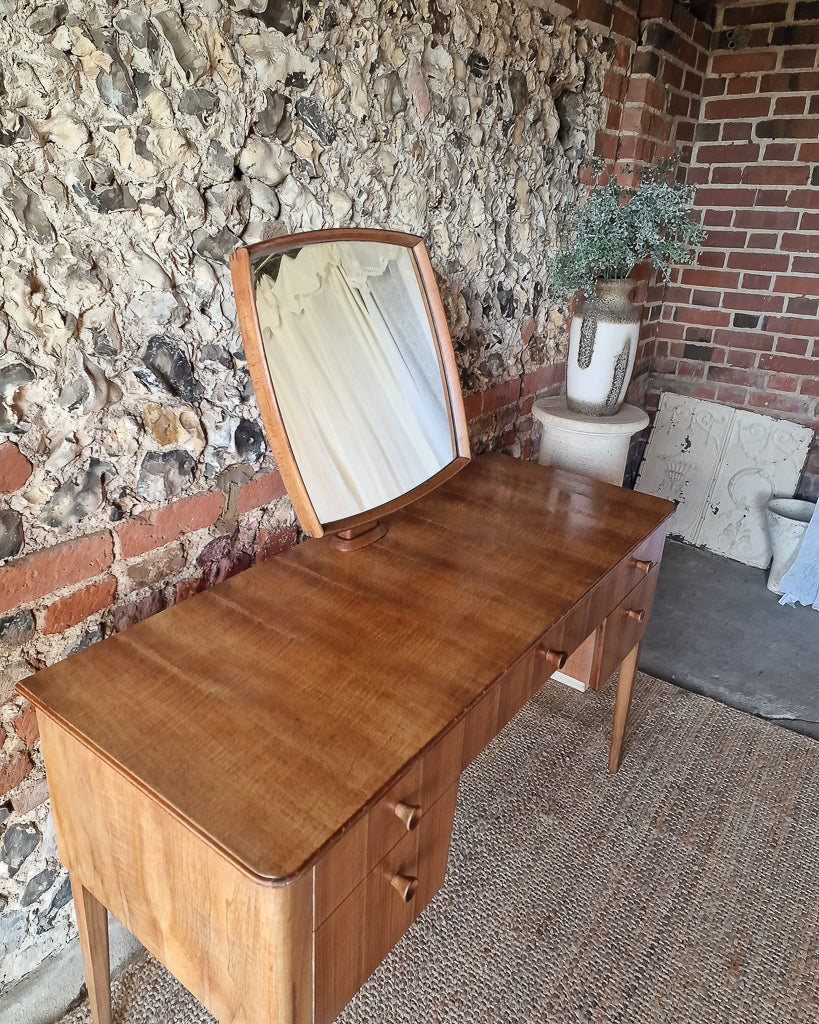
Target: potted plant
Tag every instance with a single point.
(607, 233)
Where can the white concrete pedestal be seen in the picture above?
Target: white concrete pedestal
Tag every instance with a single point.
(594, 445)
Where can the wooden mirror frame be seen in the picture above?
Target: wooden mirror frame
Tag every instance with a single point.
(362, 528)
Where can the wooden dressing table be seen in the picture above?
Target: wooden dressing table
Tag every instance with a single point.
(260, 781)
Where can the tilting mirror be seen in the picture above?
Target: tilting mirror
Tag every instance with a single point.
(354, 373)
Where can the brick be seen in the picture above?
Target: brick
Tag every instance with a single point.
(750, 107)
(673, 76)
(645, 90)
(788, 105)
(743, 63)
(752, 302)
(752, 341)
(771, 197)
(701, 297)
(13, 769)
(732, 375)
(746, 321)
(15, 469)
(779, 403)
(783, 151)
(501, 395)
(596, 11)
(25, 725)
(692, 83)
(50, 569)
(736, 131)
(759, 14)
(797, 285)
(810, 388)
(129, 614)
(544, 377)
(766, 220)
(701, 317)
(625, 24)
(741, 358)
(160, 526)
(259, 492)
(794, 81)
(728, 153)
(725, 175)
(656, 9)
(795, 35)
(802, 306)
(804, 199)
(782, 382)
(792, 346)
(809, 152)
(788, 364)
(765, 174)
(788, 128)
(710, 278)
(799, 58)
(806, 10)
(791, 325)
(700, 353)
(744, 260)
(757, 282)
(726, 239)
(473, 404)
(742, 85)
(729, 394)
(68, 611)
(805, 265)
(716, 86)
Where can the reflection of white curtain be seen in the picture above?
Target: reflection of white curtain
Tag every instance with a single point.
(356, 375)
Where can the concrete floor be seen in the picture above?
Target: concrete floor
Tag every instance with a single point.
(716, 629)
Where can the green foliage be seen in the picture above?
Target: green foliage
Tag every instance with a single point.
(612, 229)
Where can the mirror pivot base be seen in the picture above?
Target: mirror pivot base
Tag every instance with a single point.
(357, 537)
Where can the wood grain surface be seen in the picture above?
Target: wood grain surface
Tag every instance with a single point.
(271, 712)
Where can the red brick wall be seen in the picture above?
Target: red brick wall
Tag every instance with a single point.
(741, 327)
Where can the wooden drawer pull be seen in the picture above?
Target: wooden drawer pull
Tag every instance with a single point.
(643, 566)
(555, 658)
(405, 887)
(638, 614)
(408, 815)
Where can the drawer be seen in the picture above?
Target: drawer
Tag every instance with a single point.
(498, 706)
(584, 626)
(360, 932)
(625, 627)
(395, 816)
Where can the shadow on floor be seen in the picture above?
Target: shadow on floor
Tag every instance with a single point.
(716, 629)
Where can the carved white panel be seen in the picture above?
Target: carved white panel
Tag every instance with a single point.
(763, 459)
(682, 457)
(721, 466)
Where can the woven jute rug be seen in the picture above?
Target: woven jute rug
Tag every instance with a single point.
(684, 889)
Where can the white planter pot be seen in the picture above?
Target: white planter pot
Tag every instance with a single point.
(602, 346)
(788, 520)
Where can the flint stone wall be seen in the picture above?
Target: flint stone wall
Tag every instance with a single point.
(139, 144)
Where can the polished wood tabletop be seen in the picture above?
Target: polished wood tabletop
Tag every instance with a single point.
(269, 713)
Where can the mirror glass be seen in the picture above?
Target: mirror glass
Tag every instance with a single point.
(356, 369)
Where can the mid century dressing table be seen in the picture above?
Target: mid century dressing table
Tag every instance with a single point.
(260, 782)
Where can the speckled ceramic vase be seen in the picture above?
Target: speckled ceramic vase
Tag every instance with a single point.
(602, 345)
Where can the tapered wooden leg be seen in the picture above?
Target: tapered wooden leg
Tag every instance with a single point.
(92, 922)
(625, 678)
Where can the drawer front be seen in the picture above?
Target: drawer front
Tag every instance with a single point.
(626, 625)
(360, 932)
(586, 619)
(396, 816)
